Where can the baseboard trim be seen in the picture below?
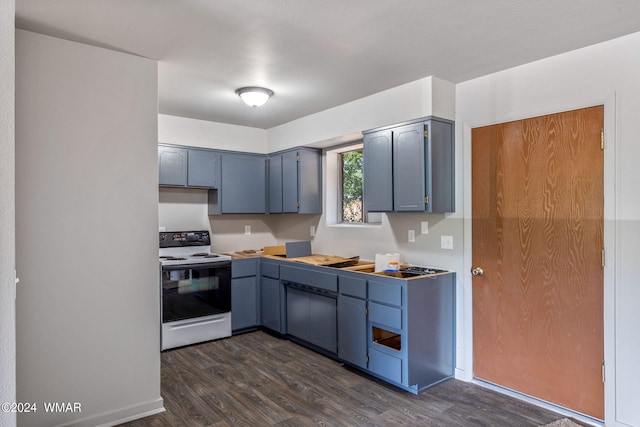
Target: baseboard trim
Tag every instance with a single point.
(121, 415)
(541, 403)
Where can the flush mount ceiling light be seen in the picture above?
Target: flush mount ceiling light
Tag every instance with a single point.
(254, 96)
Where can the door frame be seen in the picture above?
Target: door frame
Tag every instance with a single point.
(464, 369)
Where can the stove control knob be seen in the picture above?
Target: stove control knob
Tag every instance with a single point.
(477, 271)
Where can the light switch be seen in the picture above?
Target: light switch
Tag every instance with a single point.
(446, 242)
(424, 227)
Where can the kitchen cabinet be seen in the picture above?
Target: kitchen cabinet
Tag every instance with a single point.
(352, 320)
(411, 330)
(187, 167)
(410, 167)
(378, 171)
(202, 169)
(295, 181)
(242, 187)
(311, 305)
(272, 297)
(244, 294)
(312, 318)
(172, 164)
(400, 330)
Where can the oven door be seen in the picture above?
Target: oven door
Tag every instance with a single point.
(196, 290)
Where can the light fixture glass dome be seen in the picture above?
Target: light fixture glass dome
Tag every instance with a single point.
(254, 96)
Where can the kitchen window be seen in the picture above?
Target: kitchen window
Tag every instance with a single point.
(344, 187)
(351, 207)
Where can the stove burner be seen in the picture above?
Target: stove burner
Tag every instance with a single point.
(172, 258)
(421, 270)
(205, 255)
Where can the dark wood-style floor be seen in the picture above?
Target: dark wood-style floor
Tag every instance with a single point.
(256, 379)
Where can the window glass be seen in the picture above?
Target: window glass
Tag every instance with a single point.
(352, 211)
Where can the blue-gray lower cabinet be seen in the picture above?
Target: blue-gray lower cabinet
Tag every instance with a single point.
(399, 330)
(411, 329)
(244, 294)
(311, 304)
(352, 318)
(352, 330)
(312, 318)
(272, 297)
(270, 290)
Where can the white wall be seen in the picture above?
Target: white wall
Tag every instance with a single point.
(202, 133)
(7, 211)
(602, 74)
(86, 229)
(424, 97)
(186, 209)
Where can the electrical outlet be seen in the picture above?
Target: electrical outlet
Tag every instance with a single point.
(162, 229)
(446, 242)
(247, 230)
(424, 227)
(412, 236)
(312, 230)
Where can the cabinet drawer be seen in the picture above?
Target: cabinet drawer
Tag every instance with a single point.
(309, 277)
(385, 315)
(244, 268)
(270, 269)
(353, 286)
(385, 365)
(385, 293)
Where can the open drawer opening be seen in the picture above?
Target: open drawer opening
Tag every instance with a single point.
(387, 338)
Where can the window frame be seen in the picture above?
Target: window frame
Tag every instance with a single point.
(334, 184)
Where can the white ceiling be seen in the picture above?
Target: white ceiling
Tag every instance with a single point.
(318, 54)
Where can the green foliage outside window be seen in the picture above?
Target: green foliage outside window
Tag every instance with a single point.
(352, 187)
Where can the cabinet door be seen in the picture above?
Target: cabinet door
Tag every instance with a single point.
(275, 184)
(243, 183)
(298, 313)
(203, 168)
(409, 168)
(290, 182)
(309, 181)
(322, 322)
(270, 303)
(172, 164)
(378, 172)
(352, 330)
(440, 167)
(244, 309)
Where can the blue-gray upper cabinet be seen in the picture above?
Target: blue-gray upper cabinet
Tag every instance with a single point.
(172, 165)
(244, 294)
(422, 156)
(203, 168)
(242, 187)
(378, 171)
(295, 181)
(188, 167)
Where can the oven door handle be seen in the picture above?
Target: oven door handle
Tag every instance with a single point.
(197, 266)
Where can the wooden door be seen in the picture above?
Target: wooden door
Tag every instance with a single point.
(537, 206)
